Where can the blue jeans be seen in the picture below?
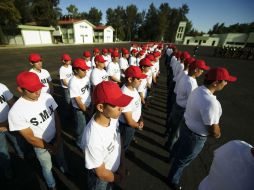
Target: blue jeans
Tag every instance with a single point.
(44, 158)
(5, 161)
(127, 134)
(67, 96)
(189, 146)
(17, 142)
(80, 124)
(174, 125)
(94, 183)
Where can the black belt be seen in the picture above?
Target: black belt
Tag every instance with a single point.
(194, 132)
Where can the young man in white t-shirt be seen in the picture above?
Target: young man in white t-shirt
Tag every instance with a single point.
(123, 62)
(87, 58)
(232, 168)
(6, 101)
(144, 65)
(133, 58)
(105, 55)
(201, 119)
(35, 117)
(101, 140)
(66, 73)
(36, 63)
(99, 74)
(185, 86)
(131, 117)
(80, 93)
(96, 52)
(113, 68)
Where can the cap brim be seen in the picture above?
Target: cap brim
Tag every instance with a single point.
(142, 76)
(36, 87)
(206, 68)
(122, 101)
(231, 79)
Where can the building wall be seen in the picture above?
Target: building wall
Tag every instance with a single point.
(180, 32)
(233, 39)
(83, 33)
(108, 35)
(200, 40)
(36, 37)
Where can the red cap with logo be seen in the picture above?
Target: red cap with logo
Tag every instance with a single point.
(145, 62)
(29, 81)
(96, 50)
(66, 57)
(110, 93)
(115, 54)
(199, 64)
(134, 71)
(100, 59)
(34, 57)
(219, 73)
(80, 63)
(87, 54)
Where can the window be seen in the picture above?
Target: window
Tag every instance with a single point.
(204, 41)
(196, 41)
(188, 41)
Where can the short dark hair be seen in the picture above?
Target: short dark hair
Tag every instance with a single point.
(209, 82)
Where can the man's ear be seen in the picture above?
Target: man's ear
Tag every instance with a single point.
(31, 64)
(100, 107)
(129, 79)
(20, 90)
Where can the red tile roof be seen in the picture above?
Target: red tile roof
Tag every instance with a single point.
(101, 27)
(70, 21)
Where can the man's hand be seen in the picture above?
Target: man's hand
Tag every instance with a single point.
(3, 129)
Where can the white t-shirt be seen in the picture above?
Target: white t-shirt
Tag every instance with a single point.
(102, 145)
(44, 77)
(113, 70)
(106, 58)
(88, 72)
(157, 66)
(149, 77)
(143, 87)
(169, 51)
(93, 62)
(232, 168)
(179, 78)
(123, 62)
(98, 75)
(37, 115)
(185, 86)
(133, 61)
(65, 73)
(80, 87)
(202, 110)
(134, 106)
(5, 95)
(178, 69)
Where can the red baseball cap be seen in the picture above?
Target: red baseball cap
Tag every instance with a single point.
(110, 50)
(80, 63)
(134, 71)
(134, 51)
(157, 54)
(66, 57)
(199, 64)
(115, 54)
(145, 62)
(109, 92)
(100, 59)
(150, 57)
(96, 50)
(189, 60)
(87, 54)
(35, 57)
(29, 81)
(219, 73)
(178, 54)
(104, 50)
(141, 52)
(185, 55)
(125, 51)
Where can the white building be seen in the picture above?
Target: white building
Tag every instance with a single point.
(180, 32)
(76, 31)
(232, 39)
(104, 34)
(204, 40)
(36, 35)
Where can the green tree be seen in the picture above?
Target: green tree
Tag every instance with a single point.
(9, 14)
(163, 19)
(132, 18)
(94, 16)
(72, 10)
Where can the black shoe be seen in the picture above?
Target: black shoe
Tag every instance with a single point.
(174, 186)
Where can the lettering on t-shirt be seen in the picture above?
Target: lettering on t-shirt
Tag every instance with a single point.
(69, 75)
(111, 146)
(105, 77)
(44, 115)
(2, 99)
(83, 90)
(44, 81)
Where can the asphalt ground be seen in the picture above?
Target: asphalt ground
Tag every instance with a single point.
(147, 160)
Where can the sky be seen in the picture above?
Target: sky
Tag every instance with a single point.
(203, 13)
